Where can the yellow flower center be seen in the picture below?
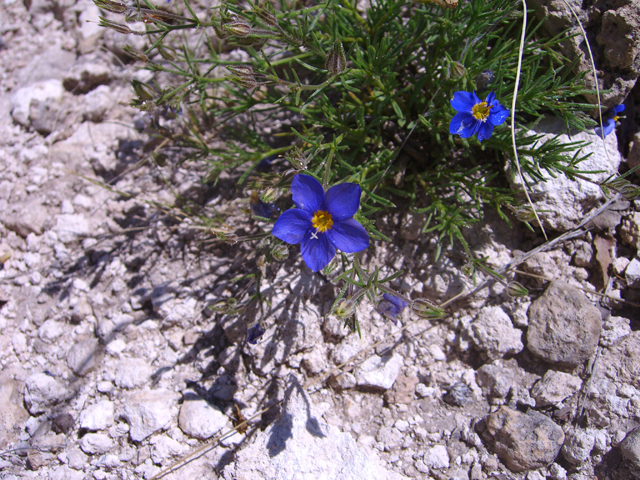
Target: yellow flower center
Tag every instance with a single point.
(480, 111)
(616, 118)
(322, 221)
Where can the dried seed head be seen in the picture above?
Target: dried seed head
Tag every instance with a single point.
(336, 61)
(514, 289)
(265, 15)
(280, 252)
(118, 27)
(345, 309)
(111, 6)
(426, 309)
(239, 29)
(297, 159)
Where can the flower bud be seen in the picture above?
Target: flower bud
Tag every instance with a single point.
(280, 252)
(134, 53)
(118, 27)
(457, 69)
(111, 5)
(144, 91)
(243, 75)
(344, 310)
(239, 29)
(336, 61)
(514, 289)
(230, 238)
(468, 269)
(427, 310)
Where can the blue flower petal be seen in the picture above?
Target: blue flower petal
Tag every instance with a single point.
(464, 101)
(254, 333)
(317, 252)
(463, 124)
(348, 235)
(491, 98)
(618, 108)
(609, 126)
(292, 226)
(498, 115)
(343, 200)
(485, 131)
(307, 193)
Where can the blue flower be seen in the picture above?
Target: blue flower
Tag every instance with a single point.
(475, 116)
(254, 333)
(391, 306)
(321, 222)
(261, 208)
(609, 123)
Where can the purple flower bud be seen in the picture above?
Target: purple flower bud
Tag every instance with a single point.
(391, 306)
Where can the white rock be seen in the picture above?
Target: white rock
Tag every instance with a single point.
(300, 446)
(494, 335)
(437, 353)
(436, 457)
(147, 412)
(577, 446)
(98, 416)
(554, 387)
(42, 391)
(165, 447)
(199, 419)
(48, 90)
(132, 372)
(108, 461)
(96, 443)
(50, 330)
(65, 473)
(632, 273)
(70, 227)
(379, 372)
(562, 203)
(422, 391)
(613, 329)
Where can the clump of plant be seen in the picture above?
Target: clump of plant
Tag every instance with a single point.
(354, 111)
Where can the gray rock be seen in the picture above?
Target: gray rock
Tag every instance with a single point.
(630, 231)
(299, 445)
(42, 391)
(132, 372)
(45, 91)
(28, 217)
(630, 447)
(97, 103)
(96, 443)
(12, 415)
(577, 446)
(554, 387)
(523, 441)
(84, 357)
(613, 329)
(436, 457)
(493, 334)
(632, 273)
(199, 419)
(50, 330)
(564, 326)
(343, 381)
(562, 203)
(147, 412)
(379, 372)
(98, 416)
(496, 379)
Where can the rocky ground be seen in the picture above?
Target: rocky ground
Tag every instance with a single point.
(113, 366)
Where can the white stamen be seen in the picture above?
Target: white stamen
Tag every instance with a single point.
(314, 235)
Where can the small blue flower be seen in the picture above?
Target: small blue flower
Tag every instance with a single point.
(609, 123)
(391, 306)
(475, 116)
(261, 208)
(254, 333)
(321, 222)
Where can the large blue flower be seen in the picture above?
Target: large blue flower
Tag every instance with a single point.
(609, 124)
(475, 116)
(322, 222)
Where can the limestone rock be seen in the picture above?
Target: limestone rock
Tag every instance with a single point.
(84, 356)
(630, 447)
(42, 391)
(27, 217)
(564, 326)
(98, 416)
(554, 387)
(199, 419)
(12, 414)
(523, 441)
(562, 203)
(436, 457)
(96, 443)
(299, 445)
(87, 74)
(613, 329)
(494, 335)
(621, 362)
(147, 412)
(45, 91)
(379, 372)
(577, 446)
(132, 372)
